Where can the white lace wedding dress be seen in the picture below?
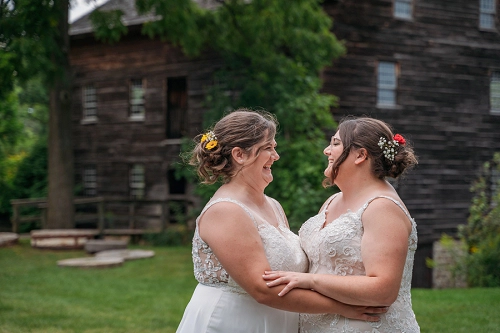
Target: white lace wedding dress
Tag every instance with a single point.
(220, 305)
(336, 249)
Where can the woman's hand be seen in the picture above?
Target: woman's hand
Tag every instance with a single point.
(291, 279)
(305, 281)
(360, 312)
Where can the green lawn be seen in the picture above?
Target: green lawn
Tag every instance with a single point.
(149, 295)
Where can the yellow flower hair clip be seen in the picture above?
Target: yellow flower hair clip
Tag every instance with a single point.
(211, 140)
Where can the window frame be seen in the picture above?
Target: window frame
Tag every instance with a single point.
(387, 87)
(137, 182)
(399, 15)
(134, 102)
(488, 12)
(494, 93)
(89, 180)
(89, 103)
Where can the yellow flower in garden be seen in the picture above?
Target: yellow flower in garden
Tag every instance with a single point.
(211, 144)
(474, 249)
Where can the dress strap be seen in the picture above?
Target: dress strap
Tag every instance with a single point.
(329, 201)
(362, 209)
(280, 213)
(211, 203)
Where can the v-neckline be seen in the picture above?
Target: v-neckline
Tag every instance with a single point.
(325, 225)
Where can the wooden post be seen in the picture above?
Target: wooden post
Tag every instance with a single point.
(100, 217)
(15, 219)
(163, 217)
(131, 212)
(43, 216)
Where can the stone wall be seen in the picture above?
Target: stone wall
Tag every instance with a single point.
(444, 273)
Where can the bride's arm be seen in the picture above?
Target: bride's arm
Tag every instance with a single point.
(384, 247)
(235, 241)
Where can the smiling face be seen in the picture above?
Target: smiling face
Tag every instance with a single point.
(333, 151)
(257, 166)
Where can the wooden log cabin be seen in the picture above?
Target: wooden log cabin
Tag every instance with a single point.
(431, 68)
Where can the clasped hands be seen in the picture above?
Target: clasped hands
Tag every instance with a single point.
(304, 281)
(291, 279)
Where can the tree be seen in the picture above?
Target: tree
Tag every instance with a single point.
(274, 51)
(34, 41)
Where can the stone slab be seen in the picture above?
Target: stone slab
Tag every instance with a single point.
(61, 238)
(126, 254)
(8, 238)
(91, 262)
(98, 245)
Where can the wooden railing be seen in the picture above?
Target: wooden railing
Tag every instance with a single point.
(105, 213)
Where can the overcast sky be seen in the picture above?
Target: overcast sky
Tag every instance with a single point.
(82, 7)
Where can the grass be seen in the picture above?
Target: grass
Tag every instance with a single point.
(146, 295)
(457, 310)
(149, 295)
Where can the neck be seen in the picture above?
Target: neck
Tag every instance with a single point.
(357, 187)
(243, 191)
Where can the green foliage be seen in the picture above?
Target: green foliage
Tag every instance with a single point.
(484, 263)
(10, 131)
(178, 235)
(481, 233)
(274, 51)
(23, 157)
(31, 42)
(108, 26)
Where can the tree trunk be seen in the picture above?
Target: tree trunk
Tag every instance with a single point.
(60, 210)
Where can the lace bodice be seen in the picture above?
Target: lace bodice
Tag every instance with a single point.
(336, 249)
(282, 249)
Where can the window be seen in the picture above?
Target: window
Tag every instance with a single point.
(487, 13)
(137, 100)
(403, 9)
(89, 103)
(386, 94)
(495, 93)
(137, 183)
(495, 185)
(90, 180)
(176, 107)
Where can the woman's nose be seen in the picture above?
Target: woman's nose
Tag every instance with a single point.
(326, 151)
(276, 155)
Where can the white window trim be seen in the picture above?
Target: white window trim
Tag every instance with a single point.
(399, 15)
(491, 12)
(392, 87)
(494, 81)
(137, 116)
(86, 118)
(90, 179)
(137, 186)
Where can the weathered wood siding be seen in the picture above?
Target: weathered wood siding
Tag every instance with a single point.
(114, 142)
(442, 102)
(442, 99)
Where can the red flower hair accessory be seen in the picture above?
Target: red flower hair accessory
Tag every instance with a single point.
(399, 139)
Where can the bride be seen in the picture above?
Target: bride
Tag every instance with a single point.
(241, 233)
(362, 242)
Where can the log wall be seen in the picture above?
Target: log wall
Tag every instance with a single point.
(442, 99)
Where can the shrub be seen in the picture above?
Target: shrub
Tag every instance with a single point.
(178, 235)
(481, 234)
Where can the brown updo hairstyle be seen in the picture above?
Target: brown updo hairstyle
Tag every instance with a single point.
(365, 132)
(241, 128)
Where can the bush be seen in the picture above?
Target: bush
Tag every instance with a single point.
(178, 235)
(481, 234)
(483, 264)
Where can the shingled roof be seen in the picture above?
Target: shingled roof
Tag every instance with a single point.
(130, 15)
